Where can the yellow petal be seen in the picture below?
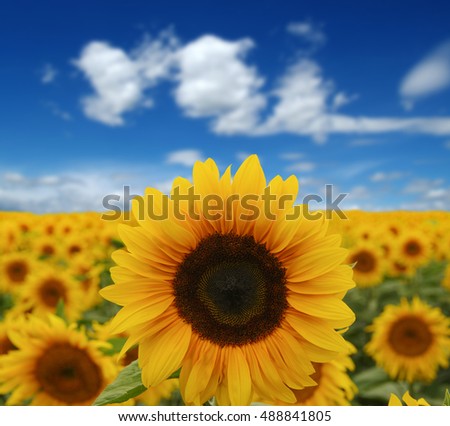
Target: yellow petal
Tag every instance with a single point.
(315, 263)
(328, 307)
(394, 400)
(317, 331)
(333, 282)
(239, 381)
(139, 312)
(200, 373)
(164, 353)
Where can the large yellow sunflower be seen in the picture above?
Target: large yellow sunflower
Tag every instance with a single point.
(54, 364)
(410, 341)
(231, 287)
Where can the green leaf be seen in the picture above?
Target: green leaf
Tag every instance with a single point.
(370, 378)
(447, 398)
(128, 384)
(59, 312)
(116, 345)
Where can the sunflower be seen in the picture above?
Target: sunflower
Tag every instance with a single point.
(159, 394)
(397, 267)
(55, 364)
(334, 386)
(394, 400)
(74, 246)
(15, 270)
(243, 297)
(47, 288)
(369, 264)
(10, 236)
(410, 341)
(88, 277)
(414, 248)
(45, 246)
(5, 343)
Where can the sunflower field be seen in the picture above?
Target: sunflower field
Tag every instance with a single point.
(343, 311)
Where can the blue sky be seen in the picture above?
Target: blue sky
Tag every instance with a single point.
(103, 95)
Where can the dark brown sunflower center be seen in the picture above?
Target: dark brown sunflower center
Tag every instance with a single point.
(51, 291)
(365, 261)
(412, 248)
(17, 271)
(410, 336)
(48, 250)
(6, 345)
(400, 267)
(74, 249)
(68, 374)
(231, 289)
(304, 394)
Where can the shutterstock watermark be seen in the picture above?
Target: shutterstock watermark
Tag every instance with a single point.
(212, 207)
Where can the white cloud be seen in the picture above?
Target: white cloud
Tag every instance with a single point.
(185, 157)
(80, 189)
(437, 193)
(13, 177)
(385, 176)
(430, 75)
(48, 74)
(242, 156)
(215, 82)
(427, 194)
(302, 166)
(363, 142)
(304, 108)
(120, 79)
(422, 185)
(302, 97)
(309, 31)
(341, 99)
(289, 156)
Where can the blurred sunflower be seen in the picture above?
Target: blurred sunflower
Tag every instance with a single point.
(396, 267)
(10, 236)
(74, 245)
(15, 270)
(5, 343)
(158, 394)
(369, 265)
(46, 226)
(88, 276)
(243, 302)
(46, 288)
(334, 385)
(410, 341)
(394, 400)
(414, 248)
(54, 364)
(45, 246)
